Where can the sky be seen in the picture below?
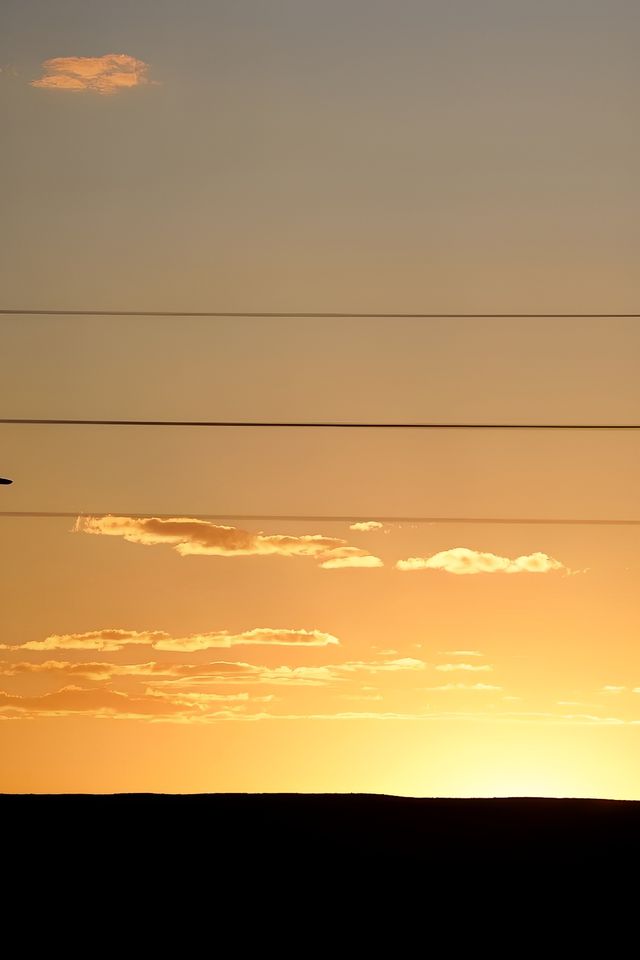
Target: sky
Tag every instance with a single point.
(169, 632)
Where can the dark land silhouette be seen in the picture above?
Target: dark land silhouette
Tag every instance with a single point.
(308, 831)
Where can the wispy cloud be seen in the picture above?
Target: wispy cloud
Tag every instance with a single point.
(108, 74)
(361, 696)
(102, 703)
(479, 687)
(366, 526)
(154, 704)
(470, 667)
(157, 706)
(460, 653)
(190, 537)
(343, 562)
(461, 560)
(112, 639)
(382, 666)
(215, 672)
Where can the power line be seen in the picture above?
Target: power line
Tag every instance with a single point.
(326, 424)
(313, 315)
(318, 518)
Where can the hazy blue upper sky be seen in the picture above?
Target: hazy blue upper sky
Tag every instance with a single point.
(467, 154)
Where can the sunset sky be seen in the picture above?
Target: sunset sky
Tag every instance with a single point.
(167, 633)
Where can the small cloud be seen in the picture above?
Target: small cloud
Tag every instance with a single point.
(610, 688)
(573, 703)
(460, 653)
(483, 687)
(461, 560)
(366, 526)
(361, 696)
(382, 666)
(470, 667)
(108, 74)
(343, 562)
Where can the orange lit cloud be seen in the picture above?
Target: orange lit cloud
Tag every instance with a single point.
(469, 667)
(366, 526)
(105, 75)
(482, 687)
(110, 640)
(461, 560)
(201, 538)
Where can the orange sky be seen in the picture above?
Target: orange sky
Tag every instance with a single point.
(424, 157)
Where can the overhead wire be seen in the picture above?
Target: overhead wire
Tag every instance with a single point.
(322, 424)
(312, 315)
(318, 518)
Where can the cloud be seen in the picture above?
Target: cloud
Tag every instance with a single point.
(381, 666)
(177, 706)
(342, 563)
(223, 672)
(471, 667)
(575, 703)
(460, 653)
(366, 526)
(356, 715)
(108, 74)
(197, 698)
(466, 686)
(260, 636)
(103, 640)
(161, 706)
(461, 560)
(101, 703)
(202, 538)
(215, 672)
(361, 696)
(111, 640)
(609, 688)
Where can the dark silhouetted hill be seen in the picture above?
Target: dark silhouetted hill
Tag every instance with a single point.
(337, 831)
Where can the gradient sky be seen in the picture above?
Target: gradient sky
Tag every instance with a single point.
(407, 156)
